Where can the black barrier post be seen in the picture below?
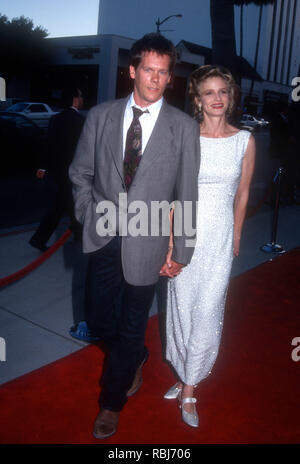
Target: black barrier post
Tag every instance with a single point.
(273, 247)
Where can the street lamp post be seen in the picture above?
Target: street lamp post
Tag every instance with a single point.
(159, 22)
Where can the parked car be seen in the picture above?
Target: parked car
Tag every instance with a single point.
(40, 113)
(263, 122)
(249, 122)
(22, 143)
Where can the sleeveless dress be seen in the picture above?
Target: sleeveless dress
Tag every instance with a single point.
(196, 297)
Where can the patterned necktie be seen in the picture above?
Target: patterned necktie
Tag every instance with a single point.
(133, 147)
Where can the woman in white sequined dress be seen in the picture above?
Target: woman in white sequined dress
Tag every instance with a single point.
(196, 297)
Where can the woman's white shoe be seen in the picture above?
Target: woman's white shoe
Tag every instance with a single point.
(173, 393)
(190, 419)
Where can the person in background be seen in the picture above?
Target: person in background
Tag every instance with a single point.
(63, 134)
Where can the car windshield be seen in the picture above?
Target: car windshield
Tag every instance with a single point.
(18, 107)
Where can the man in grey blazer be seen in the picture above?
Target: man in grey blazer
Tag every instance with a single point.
(126, 240)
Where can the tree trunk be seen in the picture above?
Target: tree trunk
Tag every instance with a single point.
(241, 29)
(257, 46)
(223, 34)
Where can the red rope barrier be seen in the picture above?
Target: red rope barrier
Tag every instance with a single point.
(30, 267)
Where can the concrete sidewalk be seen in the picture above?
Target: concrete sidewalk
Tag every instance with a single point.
(37, 311)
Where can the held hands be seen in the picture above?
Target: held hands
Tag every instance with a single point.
(40, 173)
(170, 268)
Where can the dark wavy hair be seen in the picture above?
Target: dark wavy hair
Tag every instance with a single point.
(152, 42)
(200, 75)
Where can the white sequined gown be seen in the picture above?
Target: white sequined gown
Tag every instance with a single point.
(196, 297)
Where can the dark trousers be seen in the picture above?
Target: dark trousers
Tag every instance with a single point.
(117, 313)
(63, 203)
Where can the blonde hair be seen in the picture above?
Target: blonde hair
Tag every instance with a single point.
(200, 75)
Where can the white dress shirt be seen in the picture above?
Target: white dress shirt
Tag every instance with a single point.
(147, 120)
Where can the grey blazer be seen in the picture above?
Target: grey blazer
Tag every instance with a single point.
(168, 171)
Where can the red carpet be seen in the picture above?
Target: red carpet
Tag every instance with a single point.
(252, 395)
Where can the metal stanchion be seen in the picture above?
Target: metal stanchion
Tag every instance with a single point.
(272, 246)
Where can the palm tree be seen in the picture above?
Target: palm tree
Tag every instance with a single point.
(257, 45)
(260, 3)
(241, 28)
(223, 32)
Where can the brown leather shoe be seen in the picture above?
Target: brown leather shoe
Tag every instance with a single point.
(138, 379)
(106, 423)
